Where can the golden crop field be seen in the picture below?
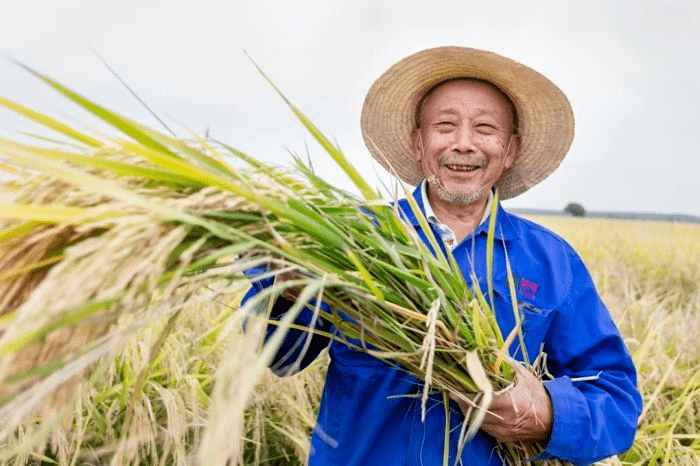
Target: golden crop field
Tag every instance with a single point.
(647, 272)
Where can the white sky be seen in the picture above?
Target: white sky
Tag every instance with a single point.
(631, 70)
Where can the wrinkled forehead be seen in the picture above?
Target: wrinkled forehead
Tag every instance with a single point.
(432, 90)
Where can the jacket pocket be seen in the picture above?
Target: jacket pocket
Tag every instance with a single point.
(536, 324)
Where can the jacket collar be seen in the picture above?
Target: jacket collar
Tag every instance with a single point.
(504, 227)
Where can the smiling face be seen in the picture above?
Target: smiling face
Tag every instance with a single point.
(464, 140)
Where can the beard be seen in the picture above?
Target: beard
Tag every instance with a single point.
(459, 198)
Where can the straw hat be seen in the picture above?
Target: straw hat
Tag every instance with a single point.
(545, 119)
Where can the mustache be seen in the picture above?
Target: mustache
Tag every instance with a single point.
(462, 159)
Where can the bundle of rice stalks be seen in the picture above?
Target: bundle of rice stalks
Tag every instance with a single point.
(100, 228)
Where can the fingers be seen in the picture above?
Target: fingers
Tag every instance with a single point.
(523, 413)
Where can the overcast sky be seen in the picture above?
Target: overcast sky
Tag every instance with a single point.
(631, 70)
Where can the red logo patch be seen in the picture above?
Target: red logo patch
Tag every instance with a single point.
(528, 288)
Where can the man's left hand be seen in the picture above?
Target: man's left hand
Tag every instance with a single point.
(521, 413)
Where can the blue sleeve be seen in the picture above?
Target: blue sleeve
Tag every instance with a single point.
(300, 347)
(596, 418)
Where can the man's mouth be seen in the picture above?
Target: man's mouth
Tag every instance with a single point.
(461, 167)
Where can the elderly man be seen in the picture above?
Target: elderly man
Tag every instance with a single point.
(461, 123)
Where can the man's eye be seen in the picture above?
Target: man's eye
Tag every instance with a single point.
(486, 127)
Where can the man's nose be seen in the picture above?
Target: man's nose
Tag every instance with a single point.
(463, 140)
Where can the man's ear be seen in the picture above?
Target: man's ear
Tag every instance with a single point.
(416, 145)
(512, 151)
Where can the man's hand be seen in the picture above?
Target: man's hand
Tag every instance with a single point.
(522, 413)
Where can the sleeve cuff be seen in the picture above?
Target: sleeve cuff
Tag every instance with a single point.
(568, 410)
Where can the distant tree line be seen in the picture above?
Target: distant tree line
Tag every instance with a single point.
(575, 209)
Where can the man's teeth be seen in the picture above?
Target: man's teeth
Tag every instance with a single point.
(461, 168)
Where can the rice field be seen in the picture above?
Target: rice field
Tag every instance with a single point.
(647, 273)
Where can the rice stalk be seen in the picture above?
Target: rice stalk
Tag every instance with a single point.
(136, 218)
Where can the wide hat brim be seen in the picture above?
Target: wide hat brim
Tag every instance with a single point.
(545, 118)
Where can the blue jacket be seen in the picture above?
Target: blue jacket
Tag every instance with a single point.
(370, 414)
